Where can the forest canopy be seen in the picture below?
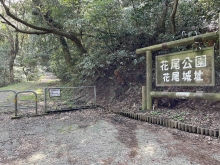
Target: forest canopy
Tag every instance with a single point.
(83, 38)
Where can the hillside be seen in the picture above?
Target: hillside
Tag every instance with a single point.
(202, 113)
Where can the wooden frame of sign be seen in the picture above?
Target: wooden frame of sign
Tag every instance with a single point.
(188, 68)
(199, 65)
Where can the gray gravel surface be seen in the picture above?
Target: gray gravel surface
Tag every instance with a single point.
(96, 137)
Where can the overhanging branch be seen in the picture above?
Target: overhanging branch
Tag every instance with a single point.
(21, 21)
(70, 35)
(19, 30)
(42, 30)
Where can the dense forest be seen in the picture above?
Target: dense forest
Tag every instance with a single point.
(81, 39)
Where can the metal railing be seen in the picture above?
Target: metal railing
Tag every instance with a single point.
(58, 98)
(55, 95)
(16, 102)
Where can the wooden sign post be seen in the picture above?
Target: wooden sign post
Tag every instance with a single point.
(189, 68)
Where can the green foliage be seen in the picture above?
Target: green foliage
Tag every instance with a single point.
(105, 64)
(109, 30)
(155, 113)
(4, 70)
(26, 97)
(59, 67)
(179, 117)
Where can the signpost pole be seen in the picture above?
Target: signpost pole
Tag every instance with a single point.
(144, 97)
(148, 79)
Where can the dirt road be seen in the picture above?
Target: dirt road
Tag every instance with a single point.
(96, 137)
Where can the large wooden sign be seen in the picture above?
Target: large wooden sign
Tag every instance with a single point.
(188, 68)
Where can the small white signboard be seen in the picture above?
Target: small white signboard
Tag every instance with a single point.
(54, 92)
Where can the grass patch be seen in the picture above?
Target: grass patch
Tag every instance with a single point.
(36, 86)
(19, 87)
(26, 97)
(39, 91)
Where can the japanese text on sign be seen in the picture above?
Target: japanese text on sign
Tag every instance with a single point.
(186, 68)
(187, 64)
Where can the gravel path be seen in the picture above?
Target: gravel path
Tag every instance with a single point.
(96, 137)
(6, 102)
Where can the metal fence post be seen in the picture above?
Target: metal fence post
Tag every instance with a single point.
(16, 105)
(45, 100)
(36, 100)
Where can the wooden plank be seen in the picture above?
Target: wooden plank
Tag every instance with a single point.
(186, 95)
(185, 41)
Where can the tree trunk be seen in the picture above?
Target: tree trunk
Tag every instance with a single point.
(78, 43)
(163, 17)
(133, 5)
(161, 26)
(66, 51)
(11, 72)
(55, 27)
(172, 17)
(13, 53)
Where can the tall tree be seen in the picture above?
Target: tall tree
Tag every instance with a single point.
(13, 51)
(50, 26)
(172, 17)
(14, 42)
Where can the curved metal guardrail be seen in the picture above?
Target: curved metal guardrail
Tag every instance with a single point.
(50, 94)
(16, 101)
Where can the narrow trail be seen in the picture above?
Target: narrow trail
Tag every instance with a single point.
(7, 98)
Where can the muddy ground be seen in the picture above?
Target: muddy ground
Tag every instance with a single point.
(98, 137)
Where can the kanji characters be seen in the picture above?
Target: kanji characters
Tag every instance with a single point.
(187, 76)
(187, 63)
(175, 63)
(200, 61)
(166, 77)
(183, 70)
(175, 76)
(198, 75)
(164, 65)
